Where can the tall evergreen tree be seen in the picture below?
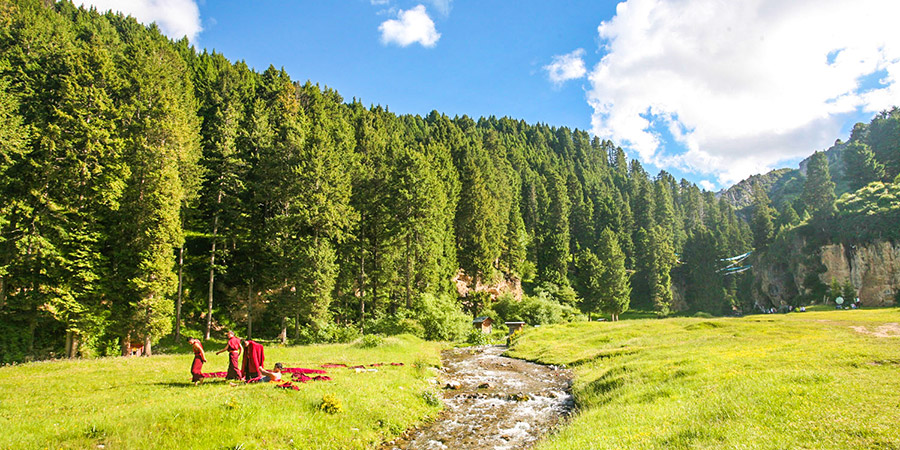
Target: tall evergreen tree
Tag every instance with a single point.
(860, 165)
(614, 289)
(705, 290)
(763, 228)
(818, 191)
(553, 256)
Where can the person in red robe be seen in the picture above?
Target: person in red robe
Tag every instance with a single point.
(199, 359)
(253, 359)
(233, 347)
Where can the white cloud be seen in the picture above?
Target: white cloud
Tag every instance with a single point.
(442, 6)
(175, 18)
(413, 25)
(742, 85)
(707, 185)
(566, 67)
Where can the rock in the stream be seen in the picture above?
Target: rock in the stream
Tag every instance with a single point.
(484, 386)
(455, 385)
(518, 397)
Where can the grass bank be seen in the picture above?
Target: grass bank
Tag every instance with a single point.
(149, 403)
(823, 380)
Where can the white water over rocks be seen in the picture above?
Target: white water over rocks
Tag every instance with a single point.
(500, 403)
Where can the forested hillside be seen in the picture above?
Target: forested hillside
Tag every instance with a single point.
(151, 188)
(870, 154)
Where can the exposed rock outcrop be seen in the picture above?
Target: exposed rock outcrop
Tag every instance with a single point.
(464, 285)
(873, 268)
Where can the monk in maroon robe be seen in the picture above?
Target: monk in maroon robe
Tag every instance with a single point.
(199, 359)
(253, 359)
(234, 350)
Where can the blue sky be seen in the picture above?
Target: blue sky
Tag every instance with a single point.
(708, 90)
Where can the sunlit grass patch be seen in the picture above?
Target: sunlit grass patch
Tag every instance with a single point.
(144, 403)
(801, 380)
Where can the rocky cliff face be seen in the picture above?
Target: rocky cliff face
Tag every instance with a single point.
(495, 289)
(873, 268)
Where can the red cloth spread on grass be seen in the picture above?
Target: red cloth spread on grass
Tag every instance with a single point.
(234, 351)
(301, 370)
(288, 385)
(333, 366)
(214, 375)
(299, 377)
(197, 365)
(253, 360)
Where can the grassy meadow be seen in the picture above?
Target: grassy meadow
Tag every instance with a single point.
(144, 403)
(813, 380)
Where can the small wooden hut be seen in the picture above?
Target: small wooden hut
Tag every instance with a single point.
(485, 324)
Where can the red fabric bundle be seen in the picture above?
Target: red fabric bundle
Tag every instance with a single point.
(301, 370)
(396, 364)
(376, 365)
(357, 367)
(333, 366)
(288, 385)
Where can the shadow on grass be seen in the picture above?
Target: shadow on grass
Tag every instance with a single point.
(186, 384)
(601, 391)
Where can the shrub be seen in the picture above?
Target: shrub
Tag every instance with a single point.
(400, 323)
(540, 310)
(476, 337)
(331, 404)
(370, 341)
(442, 319)
(326, 333)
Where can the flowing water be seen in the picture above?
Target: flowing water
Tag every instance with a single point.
(492, 402)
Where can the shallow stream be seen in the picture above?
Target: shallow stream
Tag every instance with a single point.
(492, 402)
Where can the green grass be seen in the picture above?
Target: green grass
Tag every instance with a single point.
(149, 403)
(781, 381)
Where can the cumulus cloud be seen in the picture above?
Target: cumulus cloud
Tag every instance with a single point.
(411, 26)
(566, 67)
(175, 18)
(742, 85)
(707, 185)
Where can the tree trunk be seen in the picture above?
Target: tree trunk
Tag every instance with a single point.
(374, 279)
(297, 326)
(212, 268)
(125, 345)
(180, 291)
(69, 334)
(148, 346)
(2, 292)
(408, 275)
(362, 288)
(283, 335)
(249, 310)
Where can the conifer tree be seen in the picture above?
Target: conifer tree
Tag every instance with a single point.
(553, 256)
(614, 290)
(705, 290)
(860, 165)
(763, 228)
(818, 191)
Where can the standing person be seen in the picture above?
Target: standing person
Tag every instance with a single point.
(233, 347)
(199, 359)
(253, 359)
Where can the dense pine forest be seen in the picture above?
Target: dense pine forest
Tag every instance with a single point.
(152, 189)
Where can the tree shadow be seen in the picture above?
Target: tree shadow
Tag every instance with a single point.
(184, 384)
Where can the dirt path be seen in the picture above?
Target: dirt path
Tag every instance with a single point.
(494, 403)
